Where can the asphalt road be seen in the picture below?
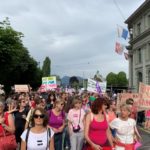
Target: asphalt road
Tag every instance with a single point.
(145, 139)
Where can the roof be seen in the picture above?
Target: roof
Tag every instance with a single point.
(138, 11)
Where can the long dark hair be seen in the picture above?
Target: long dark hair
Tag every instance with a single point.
(45, 122)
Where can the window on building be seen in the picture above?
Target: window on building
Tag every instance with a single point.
(139, 55)
(148, 52)
(149, 77)
(139, 78)
(148, 21)
(138, 28)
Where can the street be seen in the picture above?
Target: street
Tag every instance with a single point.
(145, 139)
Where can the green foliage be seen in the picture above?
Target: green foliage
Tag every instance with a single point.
(74, 82)
(16, 65)
(119, 79)
(111, 79)
(122, 79)
(46, 67)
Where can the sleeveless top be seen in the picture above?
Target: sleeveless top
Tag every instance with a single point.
(5, 122)
(97, 131)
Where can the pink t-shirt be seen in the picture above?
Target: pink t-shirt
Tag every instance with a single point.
(97, 131)
(74, 116)
(147, 114)
(111, 116)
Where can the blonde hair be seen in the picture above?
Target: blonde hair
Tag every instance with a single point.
(58, 101)
(126, 106)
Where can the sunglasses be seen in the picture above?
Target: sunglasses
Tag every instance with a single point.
(39, 116)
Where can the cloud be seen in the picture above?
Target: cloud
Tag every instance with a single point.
(78, 35)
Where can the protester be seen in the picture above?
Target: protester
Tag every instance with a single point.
(37, 103)
(38, 137)
(20, 119)
(130, 102)
(51, 100)
(85, 105)
(7, 129)
(111, 110)
(76, 124)
(97, 132)
(68, 105)
(147, 121)
(57, 122)
(125, 129)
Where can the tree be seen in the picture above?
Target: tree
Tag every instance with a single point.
(122, 79)
(117, 79)
(16, 65)
(74, 82)
(111, 79)
(46, 67)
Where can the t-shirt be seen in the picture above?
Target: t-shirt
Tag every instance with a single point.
(74, 116)
(56, 121)
(124, 129)
(37, 141)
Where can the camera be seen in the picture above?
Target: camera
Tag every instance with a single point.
(76, 129)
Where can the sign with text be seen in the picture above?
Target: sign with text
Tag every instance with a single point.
(49, 83)
(21, 88)
(144, 91)
(122, 97)
(91, 87)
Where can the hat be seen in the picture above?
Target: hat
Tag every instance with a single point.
(92, 98)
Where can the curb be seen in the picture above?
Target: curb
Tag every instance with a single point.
(144, 130)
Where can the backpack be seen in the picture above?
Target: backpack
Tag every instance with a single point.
(48, 136)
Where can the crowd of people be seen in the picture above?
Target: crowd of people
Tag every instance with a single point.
(63, 121)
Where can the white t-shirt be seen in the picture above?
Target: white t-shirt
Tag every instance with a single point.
(37, 141)
(124, 129)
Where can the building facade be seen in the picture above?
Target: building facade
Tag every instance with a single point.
(139, 46)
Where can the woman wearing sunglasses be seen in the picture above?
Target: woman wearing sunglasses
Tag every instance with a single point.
(39, 137)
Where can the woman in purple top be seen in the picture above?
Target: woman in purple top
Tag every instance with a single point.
(57, 122)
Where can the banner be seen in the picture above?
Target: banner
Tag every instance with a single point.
(122, 97)
(21, 88)
(92, 86)
(144, 91)
(48, 83)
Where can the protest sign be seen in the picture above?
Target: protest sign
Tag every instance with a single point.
(92, 86)
(21, 88)
(144, 101)
(48, 83)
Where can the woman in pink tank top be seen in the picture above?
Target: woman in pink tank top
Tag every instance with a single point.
(97, 132)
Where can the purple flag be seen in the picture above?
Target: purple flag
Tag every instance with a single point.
(98, 88)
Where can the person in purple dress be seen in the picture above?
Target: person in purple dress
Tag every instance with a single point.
(57, 122)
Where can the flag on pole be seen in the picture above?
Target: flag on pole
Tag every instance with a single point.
(98, 88)
(122, 32)
(119, 48)
(126, 55)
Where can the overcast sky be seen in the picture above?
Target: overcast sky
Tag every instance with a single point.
(78, 35)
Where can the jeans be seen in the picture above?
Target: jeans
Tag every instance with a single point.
(66, 138)
(77, 140)
(58, 141)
